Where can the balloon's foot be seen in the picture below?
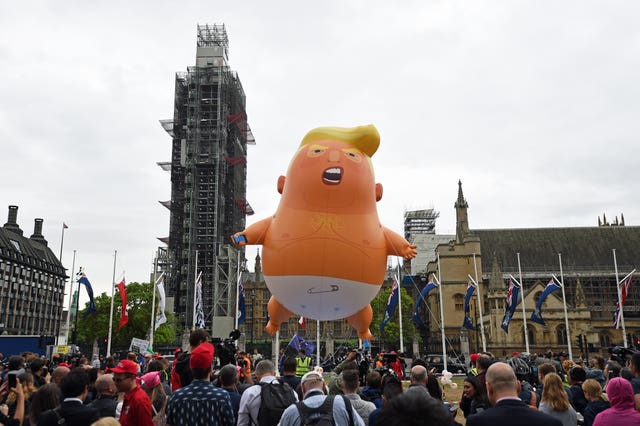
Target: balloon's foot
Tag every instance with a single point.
(271, 328)
(366, 335)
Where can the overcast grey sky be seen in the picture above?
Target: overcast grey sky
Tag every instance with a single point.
(534, 105)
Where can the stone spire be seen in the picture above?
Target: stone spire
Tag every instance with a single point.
(462, 221)
(581, 300)
(258, 267)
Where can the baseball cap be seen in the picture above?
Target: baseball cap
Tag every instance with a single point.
(126, 366)
(202, 356)
(150, 380)
(474, 357)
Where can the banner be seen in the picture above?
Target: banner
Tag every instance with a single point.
(468, 322)
(536, 316)
(423, 297)
(510, 305)
(298, 343)
(138, 345)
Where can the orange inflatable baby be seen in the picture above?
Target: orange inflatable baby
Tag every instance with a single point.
(324, 251)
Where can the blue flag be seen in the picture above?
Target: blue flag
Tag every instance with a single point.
(392, 303)
(423, 296)
(468, 322)
(298, 343)
(242, 306)
(85, 281)
(510, 305)
(536, 316)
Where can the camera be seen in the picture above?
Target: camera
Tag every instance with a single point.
(621, 354)
(226, 349)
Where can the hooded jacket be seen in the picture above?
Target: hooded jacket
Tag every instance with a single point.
(622, 411)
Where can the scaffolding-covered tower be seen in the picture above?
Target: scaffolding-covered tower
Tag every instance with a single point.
(208, 170)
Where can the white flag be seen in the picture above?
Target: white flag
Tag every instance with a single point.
(199, 309)
(160, 316)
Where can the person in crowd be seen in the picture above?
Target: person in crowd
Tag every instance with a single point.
(473, 399)
(105, 401)
(289, 373)
(315, 394)
(281, 357)
(433, 386)
(47, 397)
(37, 369)
(92, 373)
(567, 365)
(144, 367)
(159, 366)
(555, 401)
(508, 409)
(251, 399)
(28, 389)
(335, 376)
(484, 362)
(597, 402)
(200, 402)
(58, 374)
(106, 421)
(414, 408)
(303, 363)
(228, 377)
(391, 388)
(622, 411)
(577, 376)
(372, 390)
(95, 361)
(196, 338)
(635, 382)
(18, 416)
(627, 373)
(152, 385)
(596, 370)
(256, 357)
(175, 377)
(611, 370)
(418, 379)
(74, 391)
(136, 405)
(349, 388)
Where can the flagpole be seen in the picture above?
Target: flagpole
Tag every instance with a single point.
(73, 268)
(277, 351)
(524, 312)
(620, 304)
(444, 348)
(195, 288)
(318, 343)
(75, 319)
(237, 291)
(113, 287)
(61, 242)
(400, 309)
(153, 301)
(479, 294)
(564, 303)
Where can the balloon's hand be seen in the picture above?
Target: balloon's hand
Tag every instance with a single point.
(409, 251)
(238, 239)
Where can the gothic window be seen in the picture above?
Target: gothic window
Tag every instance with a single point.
(605, 340)
(561, 334)
(458, 300)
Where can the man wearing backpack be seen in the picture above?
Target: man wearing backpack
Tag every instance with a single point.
(318, 409)
(264, 403)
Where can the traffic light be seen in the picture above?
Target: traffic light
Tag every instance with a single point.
(580, 343)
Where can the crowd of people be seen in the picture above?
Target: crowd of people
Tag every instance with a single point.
(150, 391)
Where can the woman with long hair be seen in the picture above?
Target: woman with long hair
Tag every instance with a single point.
(597, 401)
(45, 398)
(555, 401)
(474, 399)
(152, 385)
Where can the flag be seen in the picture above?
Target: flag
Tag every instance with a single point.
(624, 291)
(161, 318)
(199, 308)
(301, 322)
(510, 305)
(423, 296)
(85, 281)
(124, 315)
(242, 305)
(536, 316)
(64, 226)
(392, 303)
(468, 322)
(298, 343)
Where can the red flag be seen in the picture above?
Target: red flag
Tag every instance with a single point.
(124, 316)
(301, 322)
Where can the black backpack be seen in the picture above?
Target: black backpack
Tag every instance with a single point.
(275, 398)
(322, 415)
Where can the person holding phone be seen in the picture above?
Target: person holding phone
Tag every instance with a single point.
(18, 415)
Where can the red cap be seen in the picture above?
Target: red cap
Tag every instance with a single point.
(126, 366)
(473, 357)
(64, 364)
(202, 356)
(515, 354)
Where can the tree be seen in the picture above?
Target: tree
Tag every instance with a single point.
(139, 300)
(391, 334)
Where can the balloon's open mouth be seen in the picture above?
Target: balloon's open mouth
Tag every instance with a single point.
(332, 176)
